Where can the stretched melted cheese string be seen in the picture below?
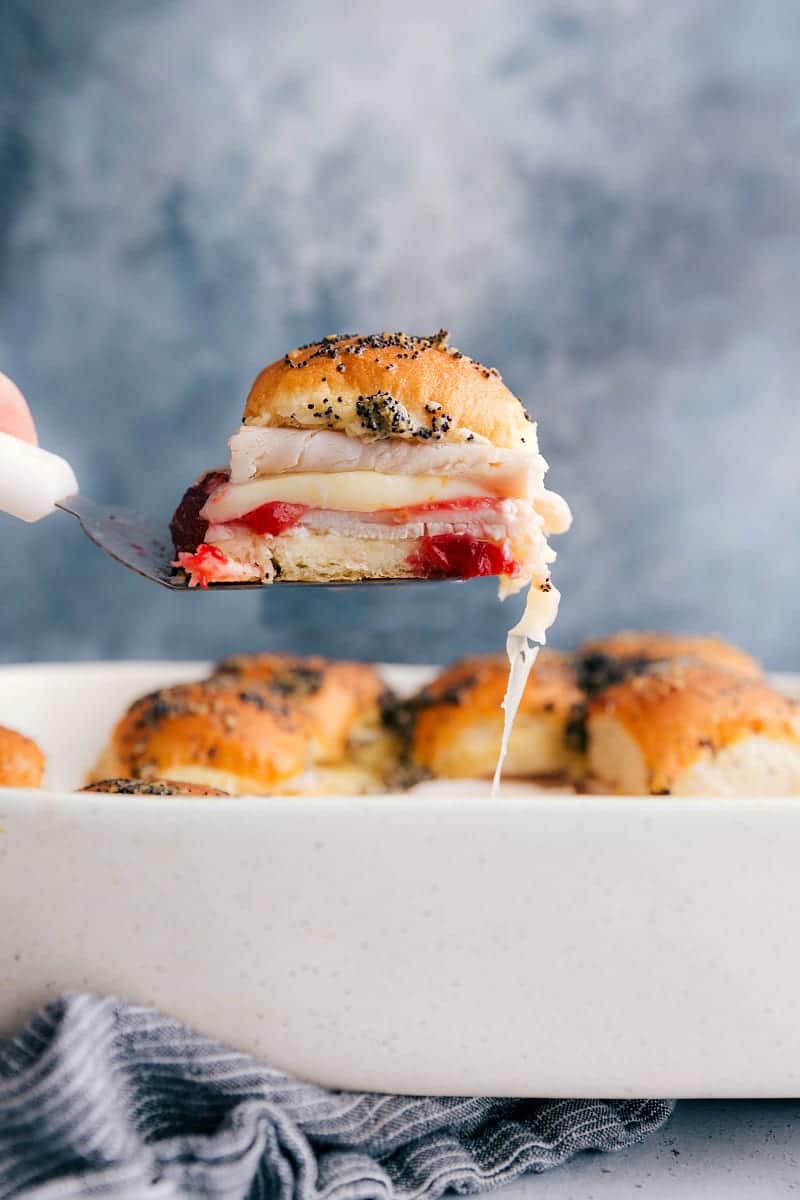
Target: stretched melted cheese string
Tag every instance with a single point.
(541, 609)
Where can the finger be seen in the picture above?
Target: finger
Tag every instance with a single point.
(15, 416)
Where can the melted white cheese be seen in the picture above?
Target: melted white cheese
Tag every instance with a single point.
(554, 511)
(348, 491)
(541, 609)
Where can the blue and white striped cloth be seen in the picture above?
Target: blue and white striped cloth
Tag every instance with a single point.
(100, 1098)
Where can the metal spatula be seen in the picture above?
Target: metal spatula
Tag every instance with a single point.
(34, 483)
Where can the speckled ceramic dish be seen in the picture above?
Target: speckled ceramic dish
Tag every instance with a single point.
(539, 945)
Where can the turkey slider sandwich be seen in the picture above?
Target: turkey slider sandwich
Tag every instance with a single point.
(386, 456)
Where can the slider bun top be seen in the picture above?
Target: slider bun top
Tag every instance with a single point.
(608, 660)
(645, 732)
(231, 735)
(152, 787)
(390, 385)
(21, 761)
(339, 699)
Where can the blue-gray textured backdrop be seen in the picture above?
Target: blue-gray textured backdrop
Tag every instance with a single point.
(603, 200)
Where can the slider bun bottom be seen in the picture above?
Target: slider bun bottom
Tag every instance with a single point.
(110, 766)
(348, 779)
(322, 557)
(536, 748)
(616, 764)
(754, 765)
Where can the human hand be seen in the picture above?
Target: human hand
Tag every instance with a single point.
(33, 482)
(15, 416)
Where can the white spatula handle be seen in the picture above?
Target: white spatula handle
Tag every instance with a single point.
(32, 481)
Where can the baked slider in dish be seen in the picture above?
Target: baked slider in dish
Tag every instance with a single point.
(608, 660)
(386, 456)
(456, 722)
(238, 739)
(22, 763)
(602, 662)
(690, 729)
(262, 725)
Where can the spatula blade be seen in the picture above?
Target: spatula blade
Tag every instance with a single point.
(143, 546)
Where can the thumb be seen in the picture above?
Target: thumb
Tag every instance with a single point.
(15, 416)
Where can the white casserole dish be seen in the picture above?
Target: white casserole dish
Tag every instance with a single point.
(538, 945)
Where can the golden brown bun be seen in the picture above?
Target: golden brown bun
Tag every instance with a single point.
(262, 724)
(22, 763)
(671, 728)
(226, 734)
(389, 385)
(608, 660)
(458, 722)
(152, 787)
(337, 698)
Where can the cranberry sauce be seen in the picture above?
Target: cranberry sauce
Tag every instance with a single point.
(187, 526)
(459, 556)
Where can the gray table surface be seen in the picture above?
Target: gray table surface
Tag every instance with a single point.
(728, 1150)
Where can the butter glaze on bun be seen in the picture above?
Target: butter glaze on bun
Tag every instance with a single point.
(457, 721)
(152, 787)
(227, 735)
(694, 729)
(608, 660)
(22, 763)
(390, 385)
(340, 699)
(263, 724)
(349, 744)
